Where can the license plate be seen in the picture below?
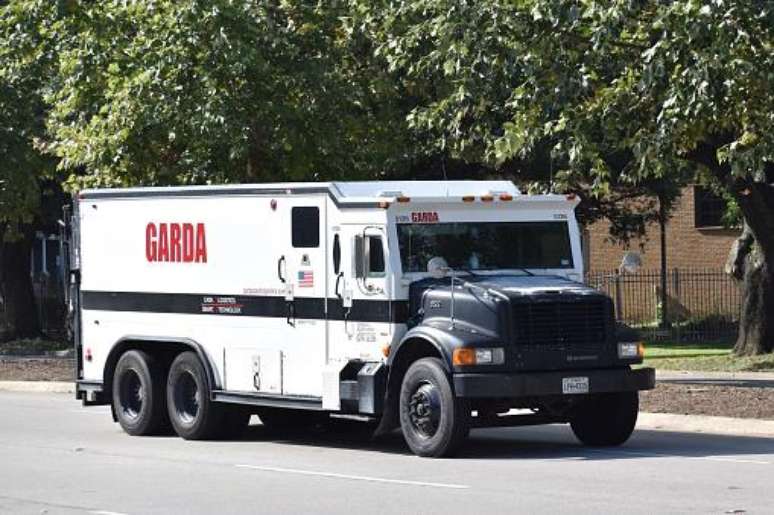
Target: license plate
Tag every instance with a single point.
(572, 385)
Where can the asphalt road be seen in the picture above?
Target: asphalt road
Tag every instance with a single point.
(57, 457)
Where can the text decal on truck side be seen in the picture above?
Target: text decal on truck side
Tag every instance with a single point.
(176, 242)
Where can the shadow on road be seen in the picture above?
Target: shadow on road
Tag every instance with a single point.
(545, 442)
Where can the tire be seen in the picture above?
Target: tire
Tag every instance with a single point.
(290, 419)
(434, 422)
(139, 402)
(194, 416)
(606, 420)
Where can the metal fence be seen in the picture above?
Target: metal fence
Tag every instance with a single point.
(701, 304)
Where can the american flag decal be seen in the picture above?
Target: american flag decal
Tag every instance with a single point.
(305, 279)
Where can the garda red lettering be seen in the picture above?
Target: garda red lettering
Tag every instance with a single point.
(424, 217)
(174, 242)
(150, 242)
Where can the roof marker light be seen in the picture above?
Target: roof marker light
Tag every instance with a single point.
(403, 200)
(506, 197)
(487, 198)
(468, 198)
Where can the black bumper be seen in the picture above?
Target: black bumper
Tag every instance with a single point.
(534, 384)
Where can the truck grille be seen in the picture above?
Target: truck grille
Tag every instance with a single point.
(579, 324)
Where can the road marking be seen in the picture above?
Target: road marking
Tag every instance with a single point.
(105, 512)
(352, 477)
(734, 460)
(731, 459)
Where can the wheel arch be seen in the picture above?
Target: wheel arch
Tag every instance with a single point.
(415, 345)
(163, 347)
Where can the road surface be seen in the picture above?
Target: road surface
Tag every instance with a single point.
(58, 457)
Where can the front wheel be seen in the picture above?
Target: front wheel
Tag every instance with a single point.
(434, 422)
(607, 419)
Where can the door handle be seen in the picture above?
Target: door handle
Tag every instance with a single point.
(280, 262)
(338, 282)
(291, 315)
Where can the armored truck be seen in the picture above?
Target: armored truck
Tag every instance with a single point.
(433, 307)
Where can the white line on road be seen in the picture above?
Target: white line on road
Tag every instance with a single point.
(645, 454)
(352, 477)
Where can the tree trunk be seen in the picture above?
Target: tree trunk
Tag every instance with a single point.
(756, 324)
(21, 311)
(751, 262)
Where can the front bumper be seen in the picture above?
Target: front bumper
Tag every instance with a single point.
(538, 384)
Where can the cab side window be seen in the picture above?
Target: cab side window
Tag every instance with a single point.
(305, 226)
(375, 257)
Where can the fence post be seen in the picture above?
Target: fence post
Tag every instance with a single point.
(618, 306)
(678, 299)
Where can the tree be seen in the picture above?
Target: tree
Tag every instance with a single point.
(23, 64)
(174, 92)
(622, 93)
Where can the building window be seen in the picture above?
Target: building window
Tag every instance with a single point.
(708, 208)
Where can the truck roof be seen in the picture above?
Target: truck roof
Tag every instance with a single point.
(350, 194)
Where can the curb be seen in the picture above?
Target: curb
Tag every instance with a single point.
(673, 375)
(38, 386)
(705, 424)
(748, 379)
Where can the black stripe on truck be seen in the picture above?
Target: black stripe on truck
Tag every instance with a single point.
(308, 308)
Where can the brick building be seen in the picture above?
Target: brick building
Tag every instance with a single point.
(696, 238)
(702, 301)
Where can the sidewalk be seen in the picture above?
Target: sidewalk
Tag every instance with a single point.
(748, 379)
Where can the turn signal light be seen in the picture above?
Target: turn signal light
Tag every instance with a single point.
(464, 356)
(480, 356)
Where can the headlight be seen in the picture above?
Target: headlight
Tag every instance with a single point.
(482, 356)
(631, 350)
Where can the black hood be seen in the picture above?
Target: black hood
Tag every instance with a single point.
(513, 286)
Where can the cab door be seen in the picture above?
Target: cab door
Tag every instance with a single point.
(359, 319)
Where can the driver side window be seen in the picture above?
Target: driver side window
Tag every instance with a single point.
(375, 257)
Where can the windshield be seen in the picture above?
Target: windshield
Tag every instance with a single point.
(485, 245)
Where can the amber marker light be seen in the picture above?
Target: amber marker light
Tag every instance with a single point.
(505, 197)
(386, 350)
(468, 198)
(404, 200)
(464, 356)
(487, 198)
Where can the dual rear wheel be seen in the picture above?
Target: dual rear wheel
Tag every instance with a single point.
(148, 400)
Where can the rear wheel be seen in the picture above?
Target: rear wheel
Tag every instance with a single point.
(193, 415)
(607, 419)
(434, 421)
(138, 394)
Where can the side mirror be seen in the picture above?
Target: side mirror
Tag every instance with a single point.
(631, 263)
(360, 256)
(437, 267)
